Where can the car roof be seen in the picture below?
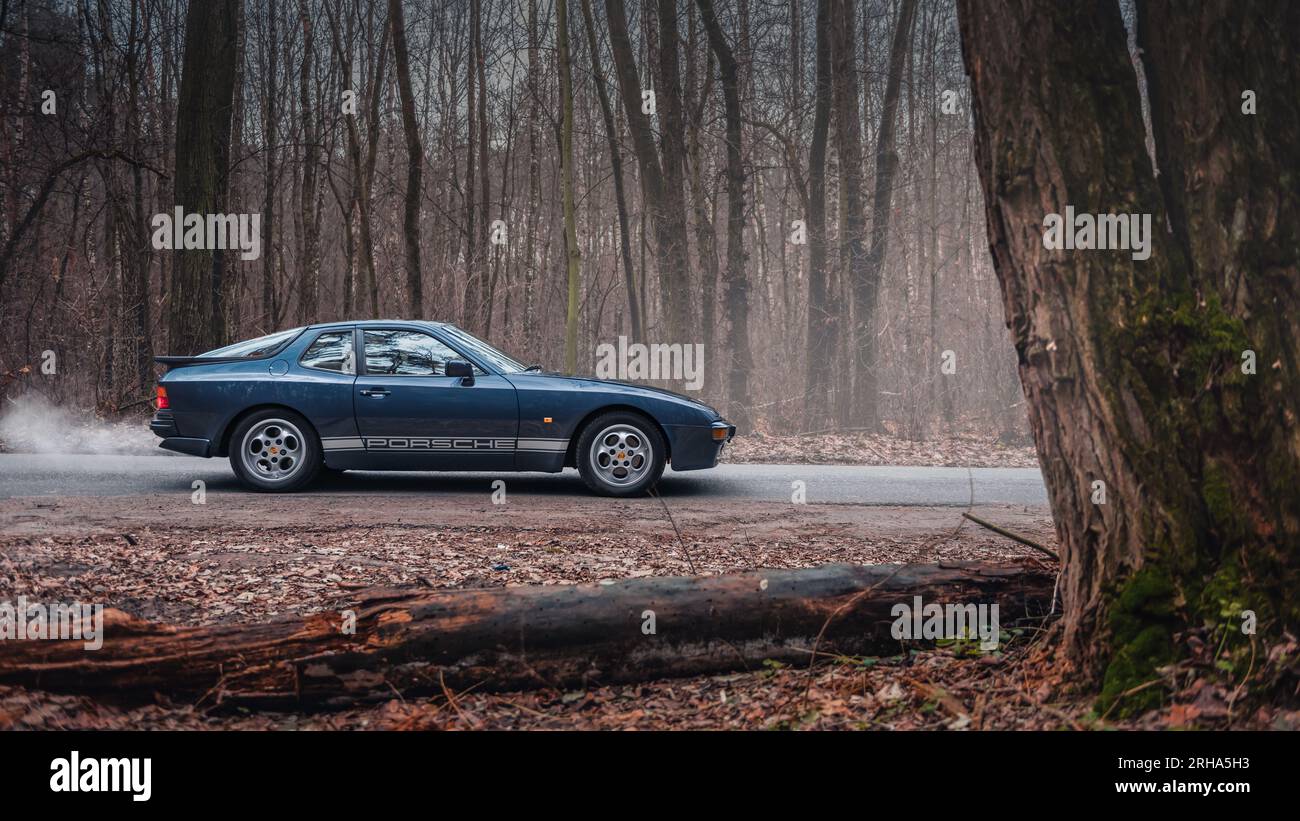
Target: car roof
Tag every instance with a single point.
(372, 323)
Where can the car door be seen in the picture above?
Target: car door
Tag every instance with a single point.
(412, 416)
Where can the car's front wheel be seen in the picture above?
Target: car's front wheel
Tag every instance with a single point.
(275, 451)
(621, 454)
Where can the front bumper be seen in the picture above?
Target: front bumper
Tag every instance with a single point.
(697, 447)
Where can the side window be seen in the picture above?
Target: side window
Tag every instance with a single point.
(331, 352)
(406, 353)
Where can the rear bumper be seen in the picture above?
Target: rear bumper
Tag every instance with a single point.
(163, 425)
(694, 446)
(187, 445)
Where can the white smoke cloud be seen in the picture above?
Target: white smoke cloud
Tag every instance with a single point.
(32, 424)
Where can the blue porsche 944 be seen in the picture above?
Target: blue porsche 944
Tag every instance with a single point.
(421, 396)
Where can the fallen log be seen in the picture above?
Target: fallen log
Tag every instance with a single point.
(418, 642)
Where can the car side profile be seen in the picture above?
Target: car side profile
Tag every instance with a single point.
(420, 396)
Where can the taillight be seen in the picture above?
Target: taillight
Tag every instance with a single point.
(163, 402)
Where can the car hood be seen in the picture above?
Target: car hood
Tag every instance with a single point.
(616, 383)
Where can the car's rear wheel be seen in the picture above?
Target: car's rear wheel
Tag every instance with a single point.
(621, 454)
(276, 451)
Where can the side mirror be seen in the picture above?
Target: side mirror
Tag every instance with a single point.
(458, 367)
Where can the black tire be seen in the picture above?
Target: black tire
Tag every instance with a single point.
(288, 436)
(625, 436)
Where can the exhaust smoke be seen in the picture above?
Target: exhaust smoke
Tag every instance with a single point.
(32, 424)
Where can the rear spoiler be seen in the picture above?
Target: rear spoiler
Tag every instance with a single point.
(182, 361)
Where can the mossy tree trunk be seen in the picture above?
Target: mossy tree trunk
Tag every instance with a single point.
(1136, 371)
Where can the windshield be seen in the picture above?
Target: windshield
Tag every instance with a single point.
(483, 350)
(262, 346)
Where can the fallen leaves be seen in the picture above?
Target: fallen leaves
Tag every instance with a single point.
(944, 450)
(213, 574)
(916, 690)
(181, 564)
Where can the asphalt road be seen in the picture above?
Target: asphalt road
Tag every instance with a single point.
(83, 475)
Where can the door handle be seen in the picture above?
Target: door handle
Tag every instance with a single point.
(378, 392)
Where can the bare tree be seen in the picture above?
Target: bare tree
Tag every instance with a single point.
(534, 180)
(866, 287)
(572, 255)
(271, 123)
(308, 210)
(616, 167)
(362, 169)
(415, 161)
(741, 361)
(662, 181)
(821, 318)
(202, 163)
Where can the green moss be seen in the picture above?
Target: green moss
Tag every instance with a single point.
(1135, 664)
(1226, 515)
(1141, 621)
(1171, 341)
(1147, 591)
(1223, 595)
(1147, 609)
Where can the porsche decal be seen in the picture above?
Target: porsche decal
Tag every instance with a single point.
(443, 444)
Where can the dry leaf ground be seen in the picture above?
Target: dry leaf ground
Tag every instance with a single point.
(967, 449)
(245, 557)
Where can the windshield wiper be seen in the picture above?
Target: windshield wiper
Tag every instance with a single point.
(531, 368)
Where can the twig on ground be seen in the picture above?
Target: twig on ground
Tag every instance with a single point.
(680, 543)
(1015, 537)
(451, 699)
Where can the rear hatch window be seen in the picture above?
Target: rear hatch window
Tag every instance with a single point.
(254, 348)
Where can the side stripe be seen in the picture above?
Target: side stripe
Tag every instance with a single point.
(560, 445)
(341, 443)
(443, 444)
